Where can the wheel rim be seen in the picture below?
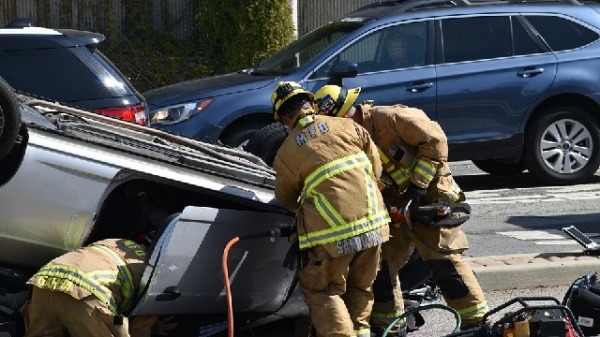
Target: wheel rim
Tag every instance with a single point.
(566, 146)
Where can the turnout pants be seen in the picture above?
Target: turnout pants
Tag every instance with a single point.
(54, 313)
(338, 291)
(441, 249)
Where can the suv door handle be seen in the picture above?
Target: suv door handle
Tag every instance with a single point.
(530, 72)
(419, 86)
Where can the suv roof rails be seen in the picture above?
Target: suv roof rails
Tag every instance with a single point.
(571, 2)
(408, 5)
(19, 23)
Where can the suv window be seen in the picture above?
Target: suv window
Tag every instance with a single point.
(476, 38)
(560, 33)
(400, 46)
(79, 83)
(301, 51)
(524, 43)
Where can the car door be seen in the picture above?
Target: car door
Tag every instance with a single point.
(490, 70)
(185, 275)
(410, 82)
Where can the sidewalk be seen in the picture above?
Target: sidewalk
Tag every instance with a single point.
(532, 270)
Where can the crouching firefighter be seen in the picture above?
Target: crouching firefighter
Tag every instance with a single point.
(327, 172)
(89, 292)
(414, 153)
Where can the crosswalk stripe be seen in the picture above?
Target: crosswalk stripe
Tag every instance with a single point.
(545, 237)
(551, 194)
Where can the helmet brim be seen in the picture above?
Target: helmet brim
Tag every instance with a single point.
(351, 97)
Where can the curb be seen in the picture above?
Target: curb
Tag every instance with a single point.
(531, 270)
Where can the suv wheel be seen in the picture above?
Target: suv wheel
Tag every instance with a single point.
(266, 141)
(500, 166)
(239, 135)
(562, 146)
(10, 118)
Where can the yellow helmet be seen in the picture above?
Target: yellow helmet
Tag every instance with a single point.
(283, 93)
(333, 100)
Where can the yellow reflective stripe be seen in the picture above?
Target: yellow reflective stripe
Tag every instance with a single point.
(332, 169)
(473, 312)
(371, 191)
(383, 157)
(454, 192)
(81, 279)
(127, 285)
(425, 169)
(339, 228)
(363, 332)
(104, 276)
(333, 218)
(400, 176)
(357, 227)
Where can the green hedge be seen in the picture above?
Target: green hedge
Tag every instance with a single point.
(232, 35)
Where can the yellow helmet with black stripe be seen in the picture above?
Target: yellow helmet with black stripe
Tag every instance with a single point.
(286, 97)
(335, 101)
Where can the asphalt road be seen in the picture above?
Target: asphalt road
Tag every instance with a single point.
(516, 214)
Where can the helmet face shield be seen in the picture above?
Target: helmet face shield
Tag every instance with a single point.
(284, 93)
(335, 101)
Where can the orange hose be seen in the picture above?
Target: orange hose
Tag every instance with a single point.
(227, 287)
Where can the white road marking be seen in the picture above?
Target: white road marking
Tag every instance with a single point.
(545, 237)
(533, 195)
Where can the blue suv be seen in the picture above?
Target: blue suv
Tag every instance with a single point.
(514, 84)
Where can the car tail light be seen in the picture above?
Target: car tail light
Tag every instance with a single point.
(135, 113)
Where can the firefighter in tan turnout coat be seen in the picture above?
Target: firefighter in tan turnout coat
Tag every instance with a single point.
(88, 292)
(414, 153)
(327, 171)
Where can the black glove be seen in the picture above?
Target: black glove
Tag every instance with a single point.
(295, 258)
(414, 193)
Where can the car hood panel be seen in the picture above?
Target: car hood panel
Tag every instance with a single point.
(204, 87)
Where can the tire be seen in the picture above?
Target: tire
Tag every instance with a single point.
(563, 146)
(241, 134)
(266, 141)
(500, 166)
(10, 118)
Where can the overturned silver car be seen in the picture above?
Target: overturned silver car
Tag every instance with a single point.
(69, 177)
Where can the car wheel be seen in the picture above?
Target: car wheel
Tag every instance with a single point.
(239, 135)
(562, 147)
(266, 141)
(500, 166)
(10, 118)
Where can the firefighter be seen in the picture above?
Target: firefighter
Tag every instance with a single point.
(327, 172)
(414, 153)
(89, 291)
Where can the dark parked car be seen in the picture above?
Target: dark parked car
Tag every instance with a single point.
(512, 83)
(65, 65)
